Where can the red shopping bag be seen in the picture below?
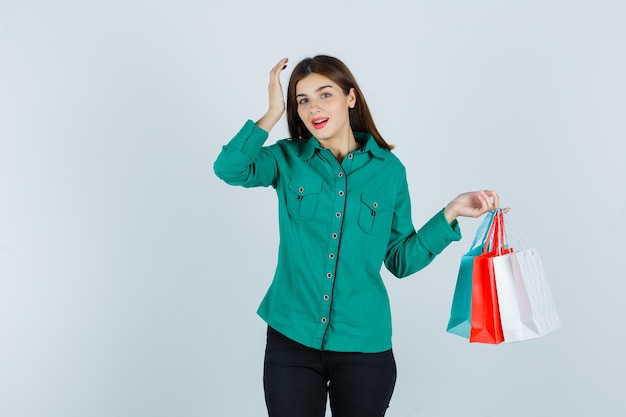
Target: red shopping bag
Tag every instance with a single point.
(485, 317)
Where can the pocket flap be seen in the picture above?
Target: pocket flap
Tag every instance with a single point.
(305, 186)
(376, 203)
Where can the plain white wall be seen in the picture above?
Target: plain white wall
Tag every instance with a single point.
(130, 275)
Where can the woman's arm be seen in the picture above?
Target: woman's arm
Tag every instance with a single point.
(276, 106)
(244, 161)
(408, 251)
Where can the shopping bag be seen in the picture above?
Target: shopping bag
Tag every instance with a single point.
(460, 312)
(527, 308)
(485, 312)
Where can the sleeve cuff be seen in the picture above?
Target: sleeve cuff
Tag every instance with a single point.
(249, 139)
(437, 233)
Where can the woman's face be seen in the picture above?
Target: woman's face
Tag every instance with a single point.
(323, 107)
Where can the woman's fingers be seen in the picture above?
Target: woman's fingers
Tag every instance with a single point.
(276, 98)
(473, 204)
(281, 65)
(276, 70)
(484, 201)
(494, 200)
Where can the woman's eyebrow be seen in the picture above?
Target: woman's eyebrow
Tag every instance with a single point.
(317, 90)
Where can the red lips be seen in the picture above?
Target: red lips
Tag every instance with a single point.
(319, 122)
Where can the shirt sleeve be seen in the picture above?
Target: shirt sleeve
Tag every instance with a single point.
(409, 251)
(244, 161)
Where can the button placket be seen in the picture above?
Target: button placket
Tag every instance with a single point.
(333, 247)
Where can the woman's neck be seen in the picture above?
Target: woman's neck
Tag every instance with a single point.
(340, 147)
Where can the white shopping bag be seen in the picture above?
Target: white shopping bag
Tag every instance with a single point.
(527, 309)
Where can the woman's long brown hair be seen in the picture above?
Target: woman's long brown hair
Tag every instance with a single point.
(332, 68)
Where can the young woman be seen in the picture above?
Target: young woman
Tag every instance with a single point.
(344, 209)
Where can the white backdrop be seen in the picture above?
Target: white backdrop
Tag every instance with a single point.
(130, 275)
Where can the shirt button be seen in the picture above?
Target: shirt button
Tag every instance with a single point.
(323, 319)
(338, 215)
(341, 193)
(375, 205)
(301, 189)
(326, 297)
(329, 275)
(350, 156)
(331, 255)
(334, 235)
(340, 174)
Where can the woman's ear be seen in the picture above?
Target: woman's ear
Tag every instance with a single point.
(352, 98)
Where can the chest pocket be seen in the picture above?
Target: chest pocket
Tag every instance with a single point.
(375, 213)
(302, 197)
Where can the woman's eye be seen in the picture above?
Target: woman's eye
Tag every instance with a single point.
(325, 95)
(302, 101)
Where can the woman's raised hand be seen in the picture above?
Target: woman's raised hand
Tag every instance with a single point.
(276, 98)
(472, 204)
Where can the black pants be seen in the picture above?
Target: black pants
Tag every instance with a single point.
(297, 380)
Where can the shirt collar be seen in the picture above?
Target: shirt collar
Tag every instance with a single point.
(367, 141)
(309, 148)
(370, 145)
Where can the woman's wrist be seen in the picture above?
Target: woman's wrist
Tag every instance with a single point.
(269, 119)
(450, 214)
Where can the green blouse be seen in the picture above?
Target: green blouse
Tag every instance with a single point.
(338, 223)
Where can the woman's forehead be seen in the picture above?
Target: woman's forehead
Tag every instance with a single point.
(313, 82)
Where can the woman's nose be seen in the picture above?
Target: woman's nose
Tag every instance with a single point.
(315, 108)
